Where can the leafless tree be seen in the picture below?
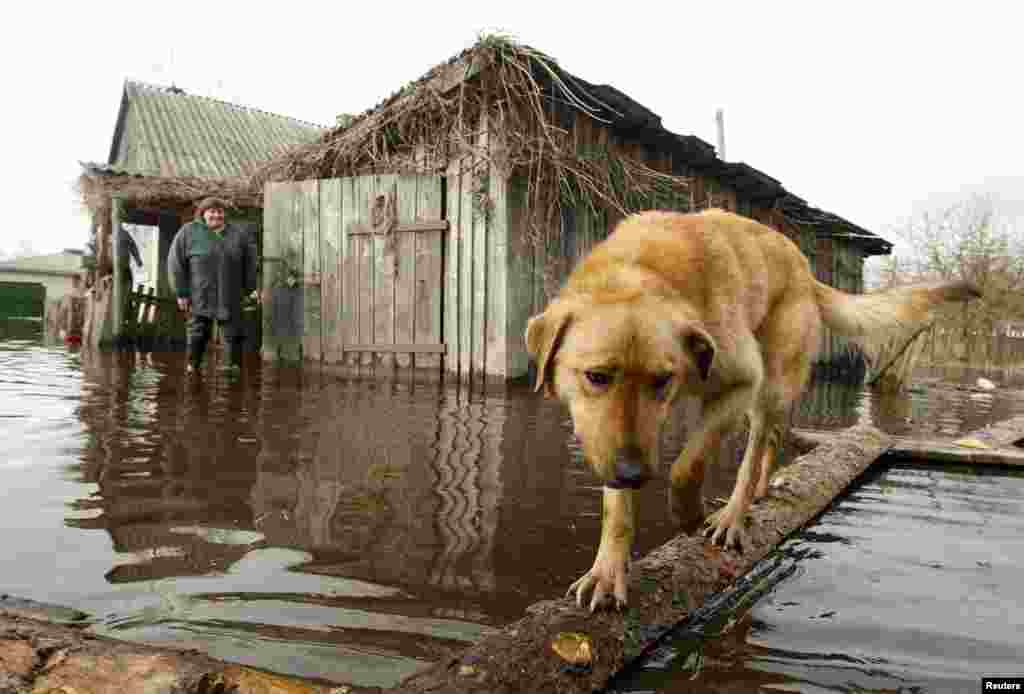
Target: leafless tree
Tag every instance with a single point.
(969, 240)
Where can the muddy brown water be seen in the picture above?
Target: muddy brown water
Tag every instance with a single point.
(357, 529)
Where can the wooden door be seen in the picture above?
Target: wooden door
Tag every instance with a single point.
(392, 270)
(353, 269)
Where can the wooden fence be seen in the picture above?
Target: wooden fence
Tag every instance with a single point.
(149, 318)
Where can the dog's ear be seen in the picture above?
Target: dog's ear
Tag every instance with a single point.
(544, 333)
(701, 346)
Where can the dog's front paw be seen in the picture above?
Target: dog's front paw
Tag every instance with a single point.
(605, 581)
(725, 527)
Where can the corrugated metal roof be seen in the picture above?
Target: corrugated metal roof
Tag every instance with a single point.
(163, 131)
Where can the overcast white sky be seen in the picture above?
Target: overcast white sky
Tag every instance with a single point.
(869, 110)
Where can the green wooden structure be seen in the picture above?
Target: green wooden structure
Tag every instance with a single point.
(22, 300)
(169, 150)
(384, 250)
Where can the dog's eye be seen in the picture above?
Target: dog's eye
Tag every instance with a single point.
(661, 381)
(598, 378)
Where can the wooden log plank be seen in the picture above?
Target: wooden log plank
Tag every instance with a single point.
(520, 278)
(496, 337)
(407, 227)
(117, 215)
(308, 195)
(405, 282)
(34, 631)
(154, 317)
(350, 268)
(397, 348)
(130, 315)
(479, 265)
(271, 269)
(330, 268)
(1002, 445)
(668, 585)
(540, 270)
(429, 269)
(452, 241)
(467, 218)
(384, 266)
(363, 196)
(288, 299)
(139, 305)
(145, 314)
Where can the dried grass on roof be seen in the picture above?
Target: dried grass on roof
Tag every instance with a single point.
(499, 117)
(95, 188)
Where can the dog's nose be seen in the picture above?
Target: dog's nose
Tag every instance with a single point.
(630, 471)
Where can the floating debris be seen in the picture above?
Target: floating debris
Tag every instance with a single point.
(971, 442)
(574, 648)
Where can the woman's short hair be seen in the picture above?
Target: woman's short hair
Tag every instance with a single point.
(210, 204)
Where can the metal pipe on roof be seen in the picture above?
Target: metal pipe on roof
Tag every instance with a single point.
(720, 128)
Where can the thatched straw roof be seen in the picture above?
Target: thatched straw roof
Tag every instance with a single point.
(497, 106)
(525, 98)
(98, 183)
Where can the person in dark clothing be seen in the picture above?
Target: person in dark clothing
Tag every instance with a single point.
(212, 265)
(127, 250)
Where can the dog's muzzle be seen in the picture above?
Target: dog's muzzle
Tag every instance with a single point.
(630, 470)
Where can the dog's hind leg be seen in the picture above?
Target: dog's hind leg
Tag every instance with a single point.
(685, 494)
(789, 342)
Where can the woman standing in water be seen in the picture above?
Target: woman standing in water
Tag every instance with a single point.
(212, 265)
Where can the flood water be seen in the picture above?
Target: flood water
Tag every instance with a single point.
(910, 583)
(355, 530)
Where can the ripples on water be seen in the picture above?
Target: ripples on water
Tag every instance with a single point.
(352, 530)
(910, 583)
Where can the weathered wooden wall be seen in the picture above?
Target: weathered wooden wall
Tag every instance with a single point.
(339, 296)
(841, 265)
(344, 286)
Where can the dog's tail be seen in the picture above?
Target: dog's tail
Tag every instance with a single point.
(876, 319)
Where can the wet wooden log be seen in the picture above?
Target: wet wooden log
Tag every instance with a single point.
(40, 652)
(665, 587)
(1001, 443)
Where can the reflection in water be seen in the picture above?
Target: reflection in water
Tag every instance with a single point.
(164, 460)
(346, 529)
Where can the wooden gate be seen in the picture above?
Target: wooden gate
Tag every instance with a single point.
(354, 270)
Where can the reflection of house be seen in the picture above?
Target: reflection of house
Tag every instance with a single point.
(162, 495)
(385, 493)
(170, 149)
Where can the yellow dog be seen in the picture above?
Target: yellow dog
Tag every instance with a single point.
(712, 306)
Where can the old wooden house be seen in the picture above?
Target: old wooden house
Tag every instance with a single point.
(169, 150)
(426, 231)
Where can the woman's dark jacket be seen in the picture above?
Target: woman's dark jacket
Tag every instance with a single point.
(214, 270)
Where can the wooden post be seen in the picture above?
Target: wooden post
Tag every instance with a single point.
(116, 215)
(168, 227)
(521, 275)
